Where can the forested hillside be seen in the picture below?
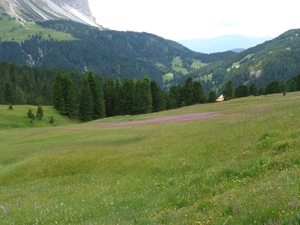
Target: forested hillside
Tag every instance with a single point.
(277, 59)
(134, 55)
(106, 53)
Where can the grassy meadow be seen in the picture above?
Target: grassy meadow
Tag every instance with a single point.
(12, 29)
(242, 167)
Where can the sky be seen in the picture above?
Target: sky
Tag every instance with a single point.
(190, 19)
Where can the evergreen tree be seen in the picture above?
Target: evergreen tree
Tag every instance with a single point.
(171, 102)
(119, 103)
(86, 105)
(58, 100)
(39, 113)
(9, 93)
(20, 96)
(212, 96)
(128, 88)
(298, 82)
(292, 86)
(51, 120)
(109, 96)
(186, 92)
(175, 90)
(70, 98)
(253, 90)
(197, 94)
(158, 97)
(146, 99)
(2, 98)
(30, 115)
(97, 96)
(241, 91)
(228, 91)
(10, 107)
(137, 98)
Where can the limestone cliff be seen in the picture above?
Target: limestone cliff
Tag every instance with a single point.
(24, 10)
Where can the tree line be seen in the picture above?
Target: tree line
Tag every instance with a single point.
(88, 97)
(105, 97)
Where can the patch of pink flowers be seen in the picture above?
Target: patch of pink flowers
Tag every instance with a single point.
(187, 117)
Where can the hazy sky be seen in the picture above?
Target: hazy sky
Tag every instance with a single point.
(187, 19)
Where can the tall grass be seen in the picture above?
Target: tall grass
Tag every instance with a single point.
(239, 168)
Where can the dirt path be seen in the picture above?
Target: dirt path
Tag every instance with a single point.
(188, 117)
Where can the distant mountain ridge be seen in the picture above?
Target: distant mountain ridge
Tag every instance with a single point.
(222, 43)
(42, 10)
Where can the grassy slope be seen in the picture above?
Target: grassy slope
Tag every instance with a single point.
(239, 168)
(17, 117)
(12, 29)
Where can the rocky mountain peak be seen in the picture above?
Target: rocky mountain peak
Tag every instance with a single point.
(41, 10)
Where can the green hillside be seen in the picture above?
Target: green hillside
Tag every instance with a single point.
(14, 30)
(276, 59)
(17, 117)
(239, 167)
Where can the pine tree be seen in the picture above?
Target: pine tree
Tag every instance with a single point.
(70, 98)
(128, 88)
(186, 91)
(197, 93)
(58, 93)
(2, 98)
(97, 96)
(146, 99)
(158, 97)
(39, 113)
(212, 96)
(228, 91)
(253, 89)
(119, 103)
(9, 93)
(109, 96)
(136, 109)
(30, 115)
(86, 105)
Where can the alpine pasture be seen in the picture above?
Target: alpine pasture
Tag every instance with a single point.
(240, 167)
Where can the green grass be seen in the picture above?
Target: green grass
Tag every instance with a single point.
(17, 117)
(239, 168)
(177, 66)
(197, 64)
(13, 30)
(168, 76)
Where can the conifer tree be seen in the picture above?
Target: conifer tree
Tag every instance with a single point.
(253, 89)
(2, 98)
(39, 113)
(86, 105)
(146, 99)
(109, 96)
(30, 115)
(197, 93)
(228, 91)
(97, 96)
(212, 96)
(136, 109)
(119, 103)
(128, 88)
(158, 100)
(186, 91)
(70, 98)
(58, 93)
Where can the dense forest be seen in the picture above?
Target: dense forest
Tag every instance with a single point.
(88, 97)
